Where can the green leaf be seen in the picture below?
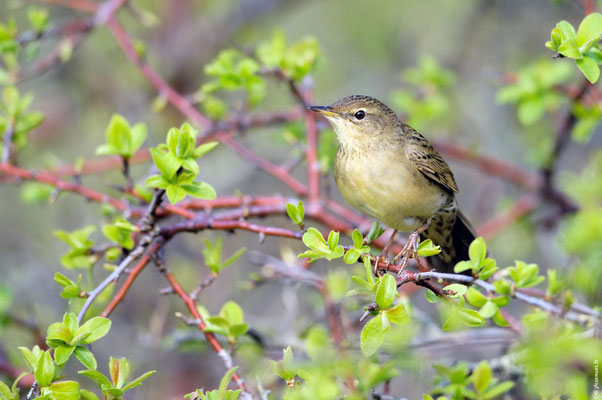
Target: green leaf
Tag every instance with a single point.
(191, 165)
(65, 390)
(223, 385)
(499, 319)
(201, 190)
(590, 69)
(462, 266)
(352, 256)
(97, 327)
(44, 371)
(470, 317)
(156, 181)
(100, 379)
(385, 294)
(590, 29)
(475, 298)
(175, 193)
(119, 371)
(458, 288)
(62, 354)
(398, 314)
(138, 381)
(482, 376)
(488, 268)
(488, 310)
(373, 334)
(503, 286)
(6, 393)
(204, 149)
(232, 313)
(314, 239)
(118, 134)
(167, 163)
(570, 49)
(477, 251)
(30, 358)
(375, 231)
(567, 30)
(58, 333)
(86, 357)
(358, 239)
(137, 137)
(88, 395)
(426, 248)
(498, 389)
(431, 296)
(333, 240)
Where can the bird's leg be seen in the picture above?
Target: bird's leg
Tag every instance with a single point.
(410, 250)
(385, 252)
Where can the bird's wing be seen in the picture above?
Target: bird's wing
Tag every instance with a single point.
(433, 166)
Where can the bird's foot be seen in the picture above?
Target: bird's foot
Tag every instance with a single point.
(384, 256)
(410, 250)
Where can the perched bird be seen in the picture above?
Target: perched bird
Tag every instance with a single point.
(387, 170)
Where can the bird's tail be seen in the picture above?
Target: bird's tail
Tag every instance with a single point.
(454, 247)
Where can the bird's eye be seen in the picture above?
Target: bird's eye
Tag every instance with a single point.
(360, 114)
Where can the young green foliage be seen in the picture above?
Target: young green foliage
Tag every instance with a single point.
(220, 394)
(319, 248)
(176, 160)
(358, 248)
(296, 213)
(367, 285)
(373, 333)
(213, 256)
(12, 392)
(295, 61)
(67, 338)
(456, 314)
(457, 380)
(14, 115)
(121, 139)
(429, 102)
(229, 323)
(524, 275)
(79, 256)
(580, 45)
(489, 307)
(38, 18)
(375, 232)
(120, 232)
(71, 289)
(533, 90)
(480, 265)
(231, 70)
(119, 370)
(286, 368)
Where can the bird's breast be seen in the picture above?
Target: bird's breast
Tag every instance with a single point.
(386, 186)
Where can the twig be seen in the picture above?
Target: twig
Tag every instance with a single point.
(7, 146)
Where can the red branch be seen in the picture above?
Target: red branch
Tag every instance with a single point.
(63, 185)
(520, 208)
(134, 272)
(490, 165)
(191, 305)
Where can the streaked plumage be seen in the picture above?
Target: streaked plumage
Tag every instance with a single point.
(390, 172)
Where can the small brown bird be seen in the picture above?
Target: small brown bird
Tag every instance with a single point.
(390, 172)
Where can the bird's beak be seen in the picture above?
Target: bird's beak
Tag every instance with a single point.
(324, 110)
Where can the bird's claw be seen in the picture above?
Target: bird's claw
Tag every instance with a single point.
(410, 250)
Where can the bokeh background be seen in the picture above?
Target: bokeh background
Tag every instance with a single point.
(365, 47)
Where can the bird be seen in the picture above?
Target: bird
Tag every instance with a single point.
(390, 172)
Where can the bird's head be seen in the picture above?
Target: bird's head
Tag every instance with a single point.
(359, 118)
